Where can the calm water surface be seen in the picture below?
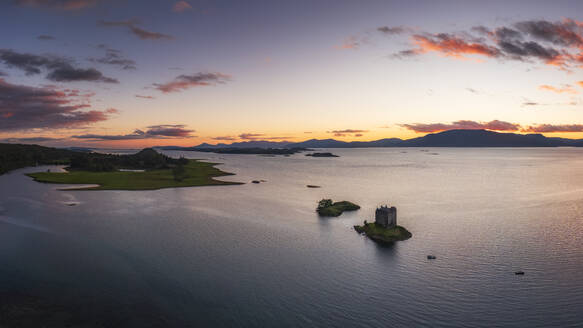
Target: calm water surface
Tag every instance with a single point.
(257, 255)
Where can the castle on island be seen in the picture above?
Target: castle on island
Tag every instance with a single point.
(386, 216)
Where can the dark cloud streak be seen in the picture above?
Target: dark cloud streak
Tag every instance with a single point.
(59, 4)
(24, 108)
(177, 131)
(183, 82)
(59, 69)
(114, 57)
(137, 31)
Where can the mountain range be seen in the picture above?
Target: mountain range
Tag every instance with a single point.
(450, 138)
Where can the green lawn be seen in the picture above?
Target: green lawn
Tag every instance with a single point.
(197, 174)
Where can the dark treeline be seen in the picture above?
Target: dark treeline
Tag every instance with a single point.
(146, 159)
(14, 156)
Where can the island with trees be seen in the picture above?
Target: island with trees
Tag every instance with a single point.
(326, 207)
(145, 170)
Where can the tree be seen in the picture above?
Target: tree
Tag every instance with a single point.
(179, 172)
(324, 203)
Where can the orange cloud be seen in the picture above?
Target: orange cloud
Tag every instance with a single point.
(549, 128)
(580, 84)
(553, 43)
(452, 46)
(565, 89)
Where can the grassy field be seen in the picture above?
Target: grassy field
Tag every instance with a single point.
(196, 174)
(380, 234)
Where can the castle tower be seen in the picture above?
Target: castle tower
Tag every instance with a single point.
(386, 216)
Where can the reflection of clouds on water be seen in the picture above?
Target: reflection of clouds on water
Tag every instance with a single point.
(18, 223)
(212, 211)
(29, 202)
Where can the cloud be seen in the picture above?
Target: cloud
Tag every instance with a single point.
(24, 108)
(530, 103)
(580, 84)
(392, 30)
(564, 89)
(45, 37)
(30, 140)
(145, 97)
(347, 132)
(451, 46)
(553, 43)
(183, 82)
(59, 4)
(225, 138)
(495, 125)
(70, 74)
(473, 90)
(258, 136)
(564, 33)
(181, 6)
(137, 31)
(114, 57)
(350, 42)
(3, 74)
(549, 128)
(59, 69)
(176, 131)
(251, 136)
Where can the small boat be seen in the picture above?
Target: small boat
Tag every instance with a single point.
(519, 273)
(431, 257)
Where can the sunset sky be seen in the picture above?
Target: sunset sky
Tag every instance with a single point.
(135, 73)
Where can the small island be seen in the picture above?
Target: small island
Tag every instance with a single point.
(146, 170)
(385, 229)
(322, 155)
(328, 208)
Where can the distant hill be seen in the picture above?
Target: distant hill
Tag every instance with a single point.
(451, 138)
(484, 138)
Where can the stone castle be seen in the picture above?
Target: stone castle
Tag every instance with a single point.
(386, 216)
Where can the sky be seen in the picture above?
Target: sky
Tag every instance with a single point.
(138, 73)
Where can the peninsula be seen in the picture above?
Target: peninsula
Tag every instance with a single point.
(146, 170)
(328, 208)
(385, 229)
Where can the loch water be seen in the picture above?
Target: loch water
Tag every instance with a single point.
(257, 255)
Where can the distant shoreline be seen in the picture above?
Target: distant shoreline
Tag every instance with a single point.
(451, 138)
